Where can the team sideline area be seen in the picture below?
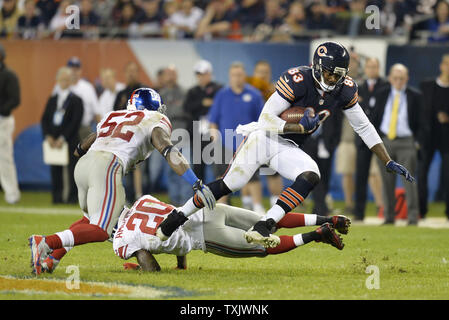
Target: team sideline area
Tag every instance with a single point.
(378, 262)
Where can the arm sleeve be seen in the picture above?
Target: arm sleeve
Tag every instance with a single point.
(360, 123)
(269, 118)
(165, 124)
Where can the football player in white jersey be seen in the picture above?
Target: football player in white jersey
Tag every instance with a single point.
(123, 139)
(219, 231)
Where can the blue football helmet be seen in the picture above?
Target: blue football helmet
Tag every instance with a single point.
(331, 57)
(146, 98)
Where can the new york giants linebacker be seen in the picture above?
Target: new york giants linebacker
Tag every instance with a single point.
(123, 139)
(324, 88)
(219, 231)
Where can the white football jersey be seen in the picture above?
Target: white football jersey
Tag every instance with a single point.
(137, 230)
(127, 134)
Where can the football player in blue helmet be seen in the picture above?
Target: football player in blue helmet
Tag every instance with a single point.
(146, 98)
(330, 65)
(323, 88)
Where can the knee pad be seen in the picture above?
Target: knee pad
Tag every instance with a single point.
(310, 176)
(219, 188)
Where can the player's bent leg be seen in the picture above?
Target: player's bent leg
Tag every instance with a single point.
(227, 241)
(324, 233)
(294, 220)
(288, 200)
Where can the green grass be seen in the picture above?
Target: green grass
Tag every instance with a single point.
(413, 263)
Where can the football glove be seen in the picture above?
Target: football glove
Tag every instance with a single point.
(204, 193)
(309, 121)
(395, 167)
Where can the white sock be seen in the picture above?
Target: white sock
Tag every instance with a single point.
(310, 219)
(297, 239)
(247, 202)
(188, 208)
(258, 207)
(276, 213)
(273, 200)
(66, 237)
(68, 249)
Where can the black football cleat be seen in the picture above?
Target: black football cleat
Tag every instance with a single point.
(329, 236)
(173, 221)
(341, 224)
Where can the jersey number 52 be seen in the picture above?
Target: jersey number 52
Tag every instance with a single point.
(115, 128)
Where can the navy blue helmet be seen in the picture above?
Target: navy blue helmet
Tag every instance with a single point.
(333, 58)
(146, 98)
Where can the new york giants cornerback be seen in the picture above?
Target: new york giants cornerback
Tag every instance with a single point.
(123, 139)
(323, 88)
(219, 231)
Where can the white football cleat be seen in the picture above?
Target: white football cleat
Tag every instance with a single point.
(252, 236)
(39, 252)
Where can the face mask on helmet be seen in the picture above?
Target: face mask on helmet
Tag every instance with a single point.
(320, 73)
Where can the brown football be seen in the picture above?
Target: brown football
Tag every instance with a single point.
(292, 114)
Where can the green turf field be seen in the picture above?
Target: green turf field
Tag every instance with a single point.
(413, 263)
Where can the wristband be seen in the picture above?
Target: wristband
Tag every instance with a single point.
(190, 176)
(80, 150)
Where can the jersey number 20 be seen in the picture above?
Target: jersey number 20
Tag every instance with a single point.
(145, 206)
(115, 130)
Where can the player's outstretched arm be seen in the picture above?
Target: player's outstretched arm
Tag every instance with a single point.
(84, 145)
(147, 261)
(161, 141)
(364, 128)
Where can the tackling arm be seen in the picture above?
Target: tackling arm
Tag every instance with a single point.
(147, 261)
(162, 143)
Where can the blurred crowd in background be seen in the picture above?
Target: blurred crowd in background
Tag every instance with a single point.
(239, 20)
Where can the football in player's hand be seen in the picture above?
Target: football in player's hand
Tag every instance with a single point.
(293, 114)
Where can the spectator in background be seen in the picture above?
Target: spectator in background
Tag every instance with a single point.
(440, 24)
(57, 24)
(103, 8)
(30, 25)
(261, 79)
(197, 104)
(89, 20)
(366, 169)
(133, 181)
(434, 133)
(86, 91)
(47, 9)
(237, 103)
(397, 116)
(217, 20)
(173, 96)
(272, 19)
(317, 17)
(61, 122)
(294, 23)
(183, 23)
(250, 14)
(152, 22)
(9, 15)
(9, 100)
(111, 88)
(127, 17)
